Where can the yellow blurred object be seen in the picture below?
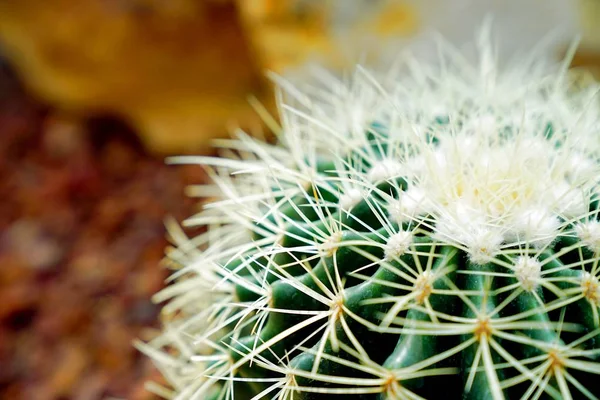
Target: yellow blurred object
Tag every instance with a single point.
(288, 33)
(394, 19)
(590, 22)
(177, 70)
(588, 53)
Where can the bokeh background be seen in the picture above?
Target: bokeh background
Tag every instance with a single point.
(95, 93)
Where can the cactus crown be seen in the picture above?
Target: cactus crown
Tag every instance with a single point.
(439, 221)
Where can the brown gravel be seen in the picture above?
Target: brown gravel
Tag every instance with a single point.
(81, 237)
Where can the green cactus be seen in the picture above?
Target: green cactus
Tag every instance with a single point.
(433, 230)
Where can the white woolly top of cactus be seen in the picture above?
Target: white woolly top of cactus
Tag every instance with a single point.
(514, 156)
(515, 160)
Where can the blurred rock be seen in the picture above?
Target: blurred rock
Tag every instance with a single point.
(33, 245)
(81, 240)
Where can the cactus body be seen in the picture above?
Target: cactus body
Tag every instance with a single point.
(434, 230)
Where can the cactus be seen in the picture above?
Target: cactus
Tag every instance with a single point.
(431, 230)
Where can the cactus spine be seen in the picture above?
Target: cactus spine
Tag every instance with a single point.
(434, 229)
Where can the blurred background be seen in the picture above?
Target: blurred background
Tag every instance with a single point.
(95, 93)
